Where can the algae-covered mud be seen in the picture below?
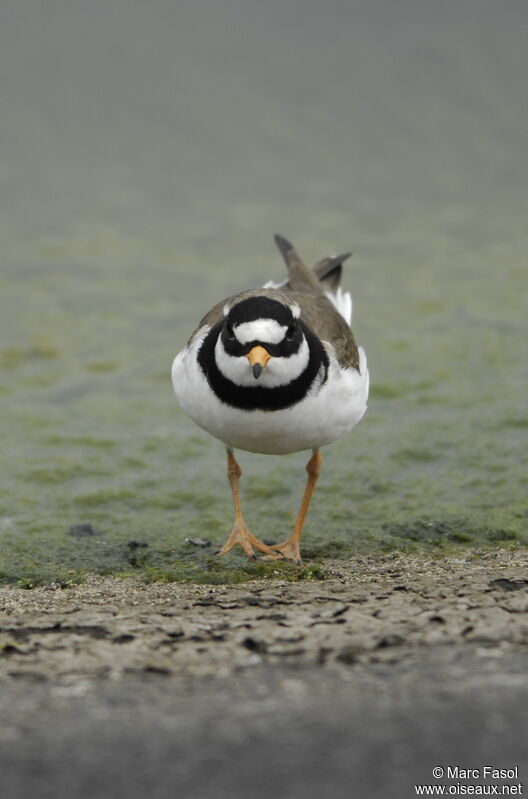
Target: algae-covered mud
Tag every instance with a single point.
(146, 161)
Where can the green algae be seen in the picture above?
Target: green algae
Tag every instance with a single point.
(64, 560)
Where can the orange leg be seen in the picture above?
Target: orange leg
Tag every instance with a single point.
(240, 533)
(290, 548)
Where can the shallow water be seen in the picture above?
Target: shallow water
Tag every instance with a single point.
(147, 157)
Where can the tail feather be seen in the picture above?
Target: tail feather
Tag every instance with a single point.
(330, 270)
(301, 277)
(325, 276)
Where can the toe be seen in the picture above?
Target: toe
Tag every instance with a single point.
(289, 551)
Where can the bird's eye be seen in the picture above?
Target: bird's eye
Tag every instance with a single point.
(291, 331)
(230, 333)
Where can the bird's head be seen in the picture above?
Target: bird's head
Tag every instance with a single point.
(262, 339)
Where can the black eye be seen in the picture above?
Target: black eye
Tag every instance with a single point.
(230, 333)
(291, 331)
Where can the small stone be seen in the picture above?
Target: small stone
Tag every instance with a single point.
(174, 633)
(392, 639)
(198, 542)
(82, 530)
(255, 645)
(157, 668)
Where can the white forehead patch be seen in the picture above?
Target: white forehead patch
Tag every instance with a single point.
(266, 330)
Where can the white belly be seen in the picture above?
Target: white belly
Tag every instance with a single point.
(320, 418)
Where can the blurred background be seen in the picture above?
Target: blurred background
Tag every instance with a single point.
(148, 154)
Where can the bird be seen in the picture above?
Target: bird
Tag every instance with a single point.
(275, 370)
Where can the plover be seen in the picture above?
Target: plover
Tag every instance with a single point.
(276, 370)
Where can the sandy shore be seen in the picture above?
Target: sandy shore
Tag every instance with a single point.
(368, 611)
(376, 673)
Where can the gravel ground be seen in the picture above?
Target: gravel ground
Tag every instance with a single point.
(358, 684)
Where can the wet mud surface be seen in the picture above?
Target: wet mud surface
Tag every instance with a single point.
(373, 610)
(369, 678)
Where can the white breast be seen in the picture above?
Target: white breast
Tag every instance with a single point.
(328, 413)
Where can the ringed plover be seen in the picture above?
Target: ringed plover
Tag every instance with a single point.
(276, 370)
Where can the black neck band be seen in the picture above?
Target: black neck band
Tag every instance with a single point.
(253, 398)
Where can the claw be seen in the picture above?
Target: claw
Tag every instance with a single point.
(243, 536)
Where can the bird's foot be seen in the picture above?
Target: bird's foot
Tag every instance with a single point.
(288, 549)
(241, 534)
